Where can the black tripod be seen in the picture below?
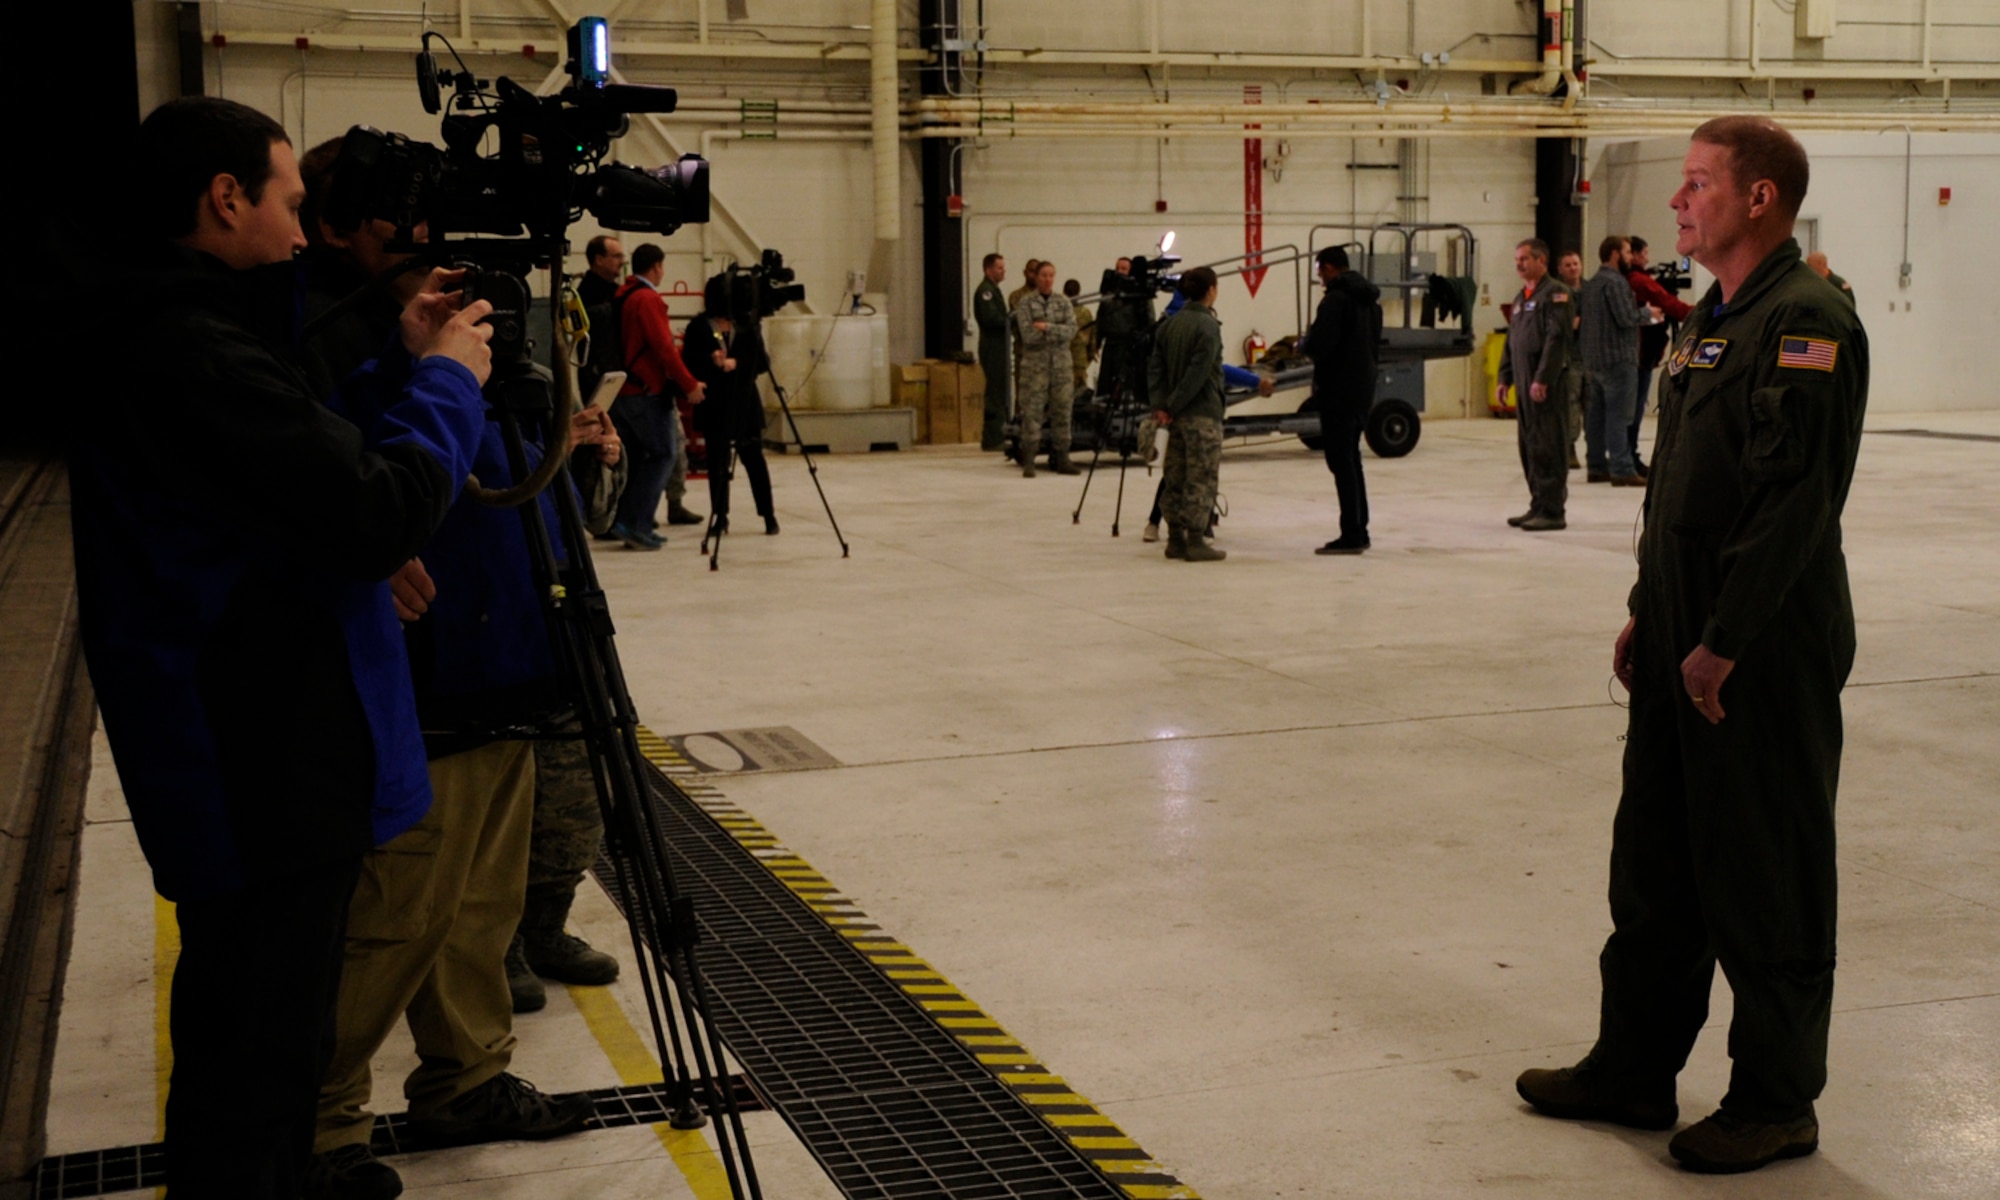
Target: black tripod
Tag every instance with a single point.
(1119, 423)
(660, 916)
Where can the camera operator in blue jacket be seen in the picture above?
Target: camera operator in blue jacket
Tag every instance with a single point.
(436, 909)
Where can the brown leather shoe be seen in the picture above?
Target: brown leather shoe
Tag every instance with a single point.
(1597, 477)
(1628, 481)
(1581, 1093)
(1516, 521)
(1724, 1144)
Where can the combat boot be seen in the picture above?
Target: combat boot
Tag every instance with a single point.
(1176, 543)
(527, 990)
(1028, 468)
(1725, 1144)
(1198, 550)
(1061, 465)
(1582, 1093)
(553, 953)
(681, 514)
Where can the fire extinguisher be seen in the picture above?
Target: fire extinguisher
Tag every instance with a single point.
(1255, 347)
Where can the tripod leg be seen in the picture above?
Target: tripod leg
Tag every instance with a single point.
(1076, 518)
(812, 469)
(718, 514)
(1118, 508)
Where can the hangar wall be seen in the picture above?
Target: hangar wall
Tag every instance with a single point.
(1926, 348)
(809, 189)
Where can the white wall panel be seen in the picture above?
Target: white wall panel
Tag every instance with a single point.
(1930, 344)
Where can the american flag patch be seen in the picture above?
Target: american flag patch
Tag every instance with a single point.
(1812, 354)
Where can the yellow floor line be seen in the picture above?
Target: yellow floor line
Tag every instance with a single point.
(622, 1045)
(1090, 1131)
(634, 1061)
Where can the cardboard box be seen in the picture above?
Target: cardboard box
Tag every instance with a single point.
(956, 403)
(910, 387)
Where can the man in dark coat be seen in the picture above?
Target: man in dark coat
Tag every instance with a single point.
(989, 311)
(1341, 343)
(233, 538)
(1740, 639)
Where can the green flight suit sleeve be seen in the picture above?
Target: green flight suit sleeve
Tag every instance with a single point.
(1798, 460)
(1558, 315)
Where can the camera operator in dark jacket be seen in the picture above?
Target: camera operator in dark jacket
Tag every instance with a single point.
(1341, 344)
(233, 538)
(727, 355)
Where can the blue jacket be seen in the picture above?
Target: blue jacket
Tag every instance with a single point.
(232, 536)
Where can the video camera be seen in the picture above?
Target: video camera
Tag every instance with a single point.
(755, 292)
(544, 171)
(1673, 276)
(1149, 277)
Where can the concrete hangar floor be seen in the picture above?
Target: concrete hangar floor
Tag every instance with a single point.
(1287, 864)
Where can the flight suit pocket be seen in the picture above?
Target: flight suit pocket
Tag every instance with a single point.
(393, 897)
(1773, 452)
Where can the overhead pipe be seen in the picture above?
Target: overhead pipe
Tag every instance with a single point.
(1555, 34)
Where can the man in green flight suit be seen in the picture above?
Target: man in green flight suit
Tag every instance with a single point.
(989, 310)
(1740, 639)
(1541, 341)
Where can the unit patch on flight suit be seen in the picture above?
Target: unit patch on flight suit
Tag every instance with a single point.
(1682, 353)
(1708, 353)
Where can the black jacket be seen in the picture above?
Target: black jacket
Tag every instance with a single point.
(732, 408)
(231, 539)
(1342, 342)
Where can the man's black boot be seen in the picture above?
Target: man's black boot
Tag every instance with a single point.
(351, 1173)
(681, 514)
(1344, 545)
(1581, 1093)
(1725, 1144)
(505, 1107)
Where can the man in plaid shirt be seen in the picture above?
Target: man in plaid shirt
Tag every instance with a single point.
(1609, 342)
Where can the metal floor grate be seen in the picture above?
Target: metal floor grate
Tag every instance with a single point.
(134, 1168)
(890, 1103)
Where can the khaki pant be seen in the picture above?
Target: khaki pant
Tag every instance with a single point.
(427, 940)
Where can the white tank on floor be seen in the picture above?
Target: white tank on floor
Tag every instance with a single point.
(852, 356)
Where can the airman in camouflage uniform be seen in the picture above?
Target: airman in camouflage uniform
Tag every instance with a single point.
(568, 829)
(1045, 324)
(1184, 376)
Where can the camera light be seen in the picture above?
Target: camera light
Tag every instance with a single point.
(1167, 242)
(600, 49)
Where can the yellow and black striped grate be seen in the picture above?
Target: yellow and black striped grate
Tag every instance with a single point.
(895, 1080)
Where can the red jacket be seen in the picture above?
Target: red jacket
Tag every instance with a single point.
(1648, 291)
(651, 357)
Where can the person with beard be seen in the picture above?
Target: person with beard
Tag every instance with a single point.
(1342, 343)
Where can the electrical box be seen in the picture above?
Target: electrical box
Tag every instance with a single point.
(1814, 18)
